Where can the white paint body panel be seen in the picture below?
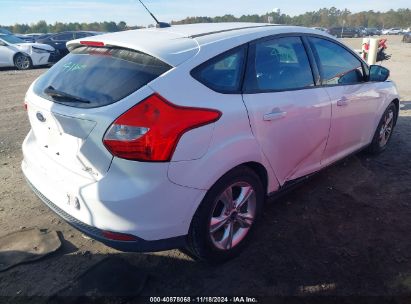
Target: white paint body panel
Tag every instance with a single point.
(354, 123)
(133, 197)
(294, 144)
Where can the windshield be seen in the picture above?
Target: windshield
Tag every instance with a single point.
(11, 39)
(100, 76)
(4, 31)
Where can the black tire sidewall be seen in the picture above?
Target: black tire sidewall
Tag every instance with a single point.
(200, 242)
(375, 145)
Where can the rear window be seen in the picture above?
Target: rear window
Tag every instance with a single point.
(91, 77)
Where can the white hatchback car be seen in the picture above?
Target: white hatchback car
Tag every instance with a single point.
(23, 55)
(172, 138)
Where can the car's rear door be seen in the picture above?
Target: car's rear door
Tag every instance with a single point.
(354, 101)
(289, 115)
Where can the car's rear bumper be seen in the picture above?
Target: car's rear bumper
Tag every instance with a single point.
(132, 198)
(139, 245)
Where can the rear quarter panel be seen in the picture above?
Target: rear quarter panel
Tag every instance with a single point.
(205, 154)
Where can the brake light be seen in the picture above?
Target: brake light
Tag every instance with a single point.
(150, 130)
(92, 43)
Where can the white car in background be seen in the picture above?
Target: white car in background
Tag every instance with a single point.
(167, 138)
(392, 31)
(21, 54)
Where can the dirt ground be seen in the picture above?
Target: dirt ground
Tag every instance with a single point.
(346, 231)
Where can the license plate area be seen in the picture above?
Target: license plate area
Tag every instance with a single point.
(60, 137)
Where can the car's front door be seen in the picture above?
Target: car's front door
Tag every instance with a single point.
(354, 101)
(289, 115)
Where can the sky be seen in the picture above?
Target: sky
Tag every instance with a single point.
(130, 11)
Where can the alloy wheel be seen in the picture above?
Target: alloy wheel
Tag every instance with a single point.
(386, 128)
(233, 215)
(22, 62)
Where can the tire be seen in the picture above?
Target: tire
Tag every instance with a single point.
(22, 62)
(235, 224)
(383, 134)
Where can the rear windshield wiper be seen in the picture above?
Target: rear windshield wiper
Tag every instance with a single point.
(56, 93)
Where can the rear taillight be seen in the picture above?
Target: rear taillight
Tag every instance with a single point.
(150, 130)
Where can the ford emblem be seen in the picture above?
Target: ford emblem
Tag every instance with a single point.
(40, 117)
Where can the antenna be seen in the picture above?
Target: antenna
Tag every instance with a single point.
(159, 24)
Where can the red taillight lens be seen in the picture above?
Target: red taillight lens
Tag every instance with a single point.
(92, 43)
(151, 130)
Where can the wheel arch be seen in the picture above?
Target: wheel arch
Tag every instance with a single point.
(19, 53)
(237, 153)
(260, 170)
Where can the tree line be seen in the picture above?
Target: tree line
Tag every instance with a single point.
(325, 17)
(43, 27)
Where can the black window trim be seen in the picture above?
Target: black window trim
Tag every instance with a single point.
(313, 63)
(195, 72)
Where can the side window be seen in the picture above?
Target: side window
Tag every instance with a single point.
(336, 64)
(222, 73)
(280, 64)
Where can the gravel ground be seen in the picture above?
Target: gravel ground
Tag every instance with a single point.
(343, 232)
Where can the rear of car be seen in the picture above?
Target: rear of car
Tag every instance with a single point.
(89, 115)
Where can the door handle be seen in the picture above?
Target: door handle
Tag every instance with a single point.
(274, 115)
(342, 102)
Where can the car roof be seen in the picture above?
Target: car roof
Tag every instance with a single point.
(178, 43)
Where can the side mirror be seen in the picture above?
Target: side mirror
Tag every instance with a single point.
(379, 73)
(2, 43)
